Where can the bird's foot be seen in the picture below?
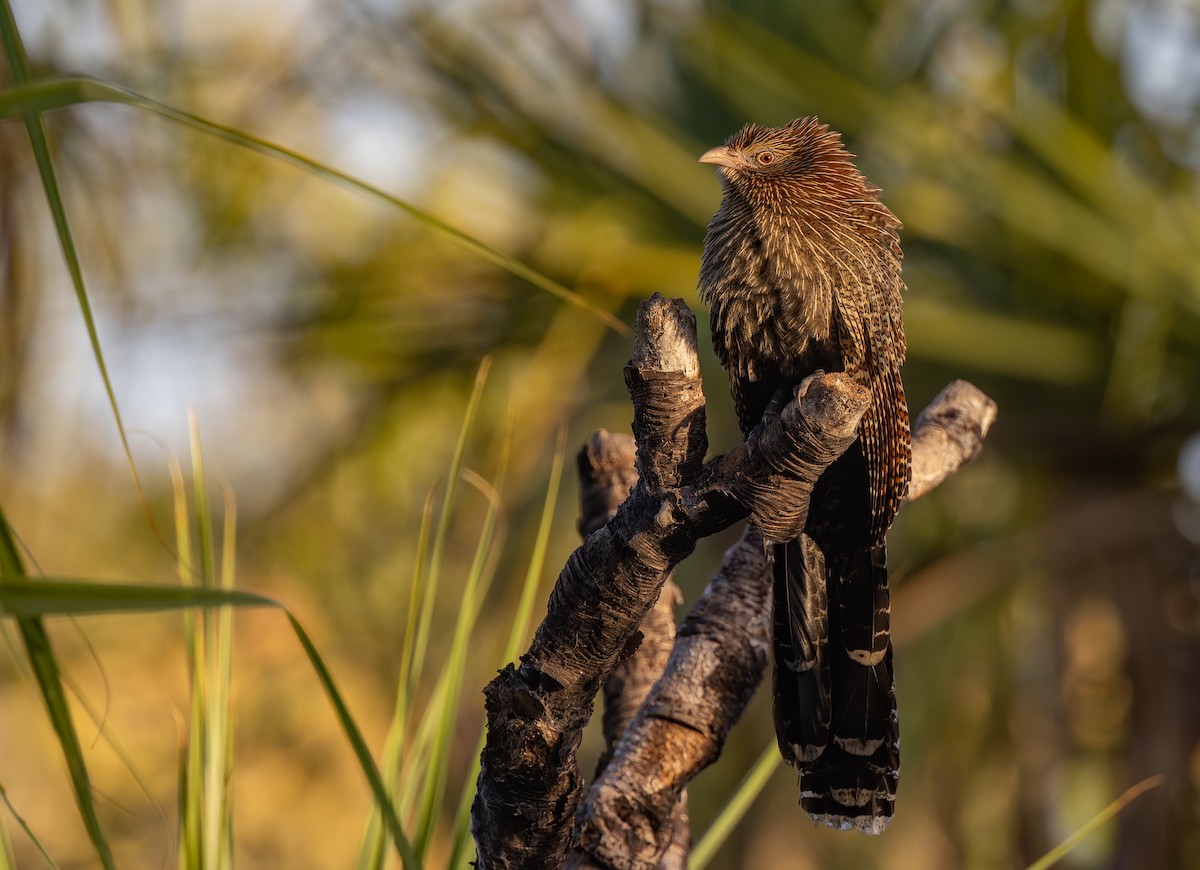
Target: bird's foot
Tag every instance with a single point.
(779, 400)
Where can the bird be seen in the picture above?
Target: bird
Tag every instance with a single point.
(801, 272)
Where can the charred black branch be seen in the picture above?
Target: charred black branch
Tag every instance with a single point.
(628, 818)
(529, 784)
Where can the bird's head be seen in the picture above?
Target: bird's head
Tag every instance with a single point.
(763, 163)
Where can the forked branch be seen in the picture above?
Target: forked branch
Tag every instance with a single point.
(530, 785)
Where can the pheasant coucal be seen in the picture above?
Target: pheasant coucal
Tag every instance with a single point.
(801, 272)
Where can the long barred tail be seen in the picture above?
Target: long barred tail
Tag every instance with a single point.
(835, 699)
(801, 641)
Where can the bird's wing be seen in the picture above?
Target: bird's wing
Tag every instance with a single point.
(867, 311)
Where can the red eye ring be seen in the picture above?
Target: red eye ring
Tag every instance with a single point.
(765, 157)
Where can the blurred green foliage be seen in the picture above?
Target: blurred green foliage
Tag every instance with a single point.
(1042, 154)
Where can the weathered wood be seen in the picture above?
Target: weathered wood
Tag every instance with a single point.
(529, 783)
(626, 818)
(607, 472)
(948, 434)
(607, 466)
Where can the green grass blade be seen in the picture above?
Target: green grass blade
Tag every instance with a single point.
(411, 788)
(205, 545)
(209, 739)
(62, 92)
(18, 66)
(747, 791)
(61, 597)
(14, 49)
(8, 861)
(456, 663)
(191, 855)
(222, 724)
(45, 669)
(1099, 820)
(429, 750)
(372, 851)
(443, 525)
(415, 606)
(537, 561)
(185, 565)
(118, 749)
(391, 819)
(66, 597)
(414, 652)
(6, 857)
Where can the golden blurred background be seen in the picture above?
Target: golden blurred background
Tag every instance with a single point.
(1043, 156)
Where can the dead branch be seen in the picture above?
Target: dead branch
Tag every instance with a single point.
(627, 817)
(607, 472)
(948, 434)
(529, 783)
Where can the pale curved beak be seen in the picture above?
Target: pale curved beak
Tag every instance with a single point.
(722, 155)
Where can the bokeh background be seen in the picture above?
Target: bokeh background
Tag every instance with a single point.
(1043, 156)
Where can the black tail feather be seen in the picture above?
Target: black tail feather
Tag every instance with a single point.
(835, 701)
(801, 638)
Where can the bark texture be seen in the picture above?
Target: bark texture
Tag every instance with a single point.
(948, 434)
(529, 783)
(527, 810)
(625, 819)
(607, 473)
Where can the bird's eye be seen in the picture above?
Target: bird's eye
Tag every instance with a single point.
(765, 157)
